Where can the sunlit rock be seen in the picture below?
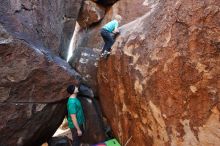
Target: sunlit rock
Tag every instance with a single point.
(90, 13)
(160, 86)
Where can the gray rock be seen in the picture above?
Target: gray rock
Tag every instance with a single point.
(85, 62)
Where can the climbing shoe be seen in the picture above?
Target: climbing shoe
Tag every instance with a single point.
(107, 53)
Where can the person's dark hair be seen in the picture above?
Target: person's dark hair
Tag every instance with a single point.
(70, 89)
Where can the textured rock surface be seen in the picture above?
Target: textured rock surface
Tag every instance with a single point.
(90, 13)
(49, 24)
(32, 80)
(25, 124)
(161, 85)
(85, 61)
(29, 75)
(94, 128)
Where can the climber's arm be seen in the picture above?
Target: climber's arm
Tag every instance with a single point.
(73, 117)
(116, 30)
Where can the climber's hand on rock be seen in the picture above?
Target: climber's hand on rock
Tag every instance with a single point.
(116, 31)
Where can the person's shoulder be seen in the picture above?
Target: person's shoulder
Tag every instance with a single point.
(77, 99)
(115, 21)
(72, 100)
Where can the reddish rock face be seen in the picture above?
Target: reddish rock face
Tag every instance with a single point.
(161, 84)
(30, 75)
(90, 13)
(32, 80)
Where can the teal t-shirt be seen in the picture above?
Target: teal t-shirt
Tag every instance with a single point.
(74, 107)
(111, 25)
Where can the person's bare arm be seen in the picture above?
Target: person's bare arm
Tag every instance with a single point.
(116, 30)
(73, 117)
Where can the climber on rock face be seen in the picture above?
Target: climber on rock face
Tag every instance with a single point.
(108, 32)
(75, 115)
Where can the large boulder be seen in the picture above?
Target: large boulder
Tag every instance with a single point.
(29, 74)
(49, 24)
(90, 13)
(33, 81)
(161, 84)
(25, 124)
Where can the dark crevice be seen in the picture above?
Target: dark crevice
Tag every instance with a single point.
(65, 17)
(106, 2)
(23, 8)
